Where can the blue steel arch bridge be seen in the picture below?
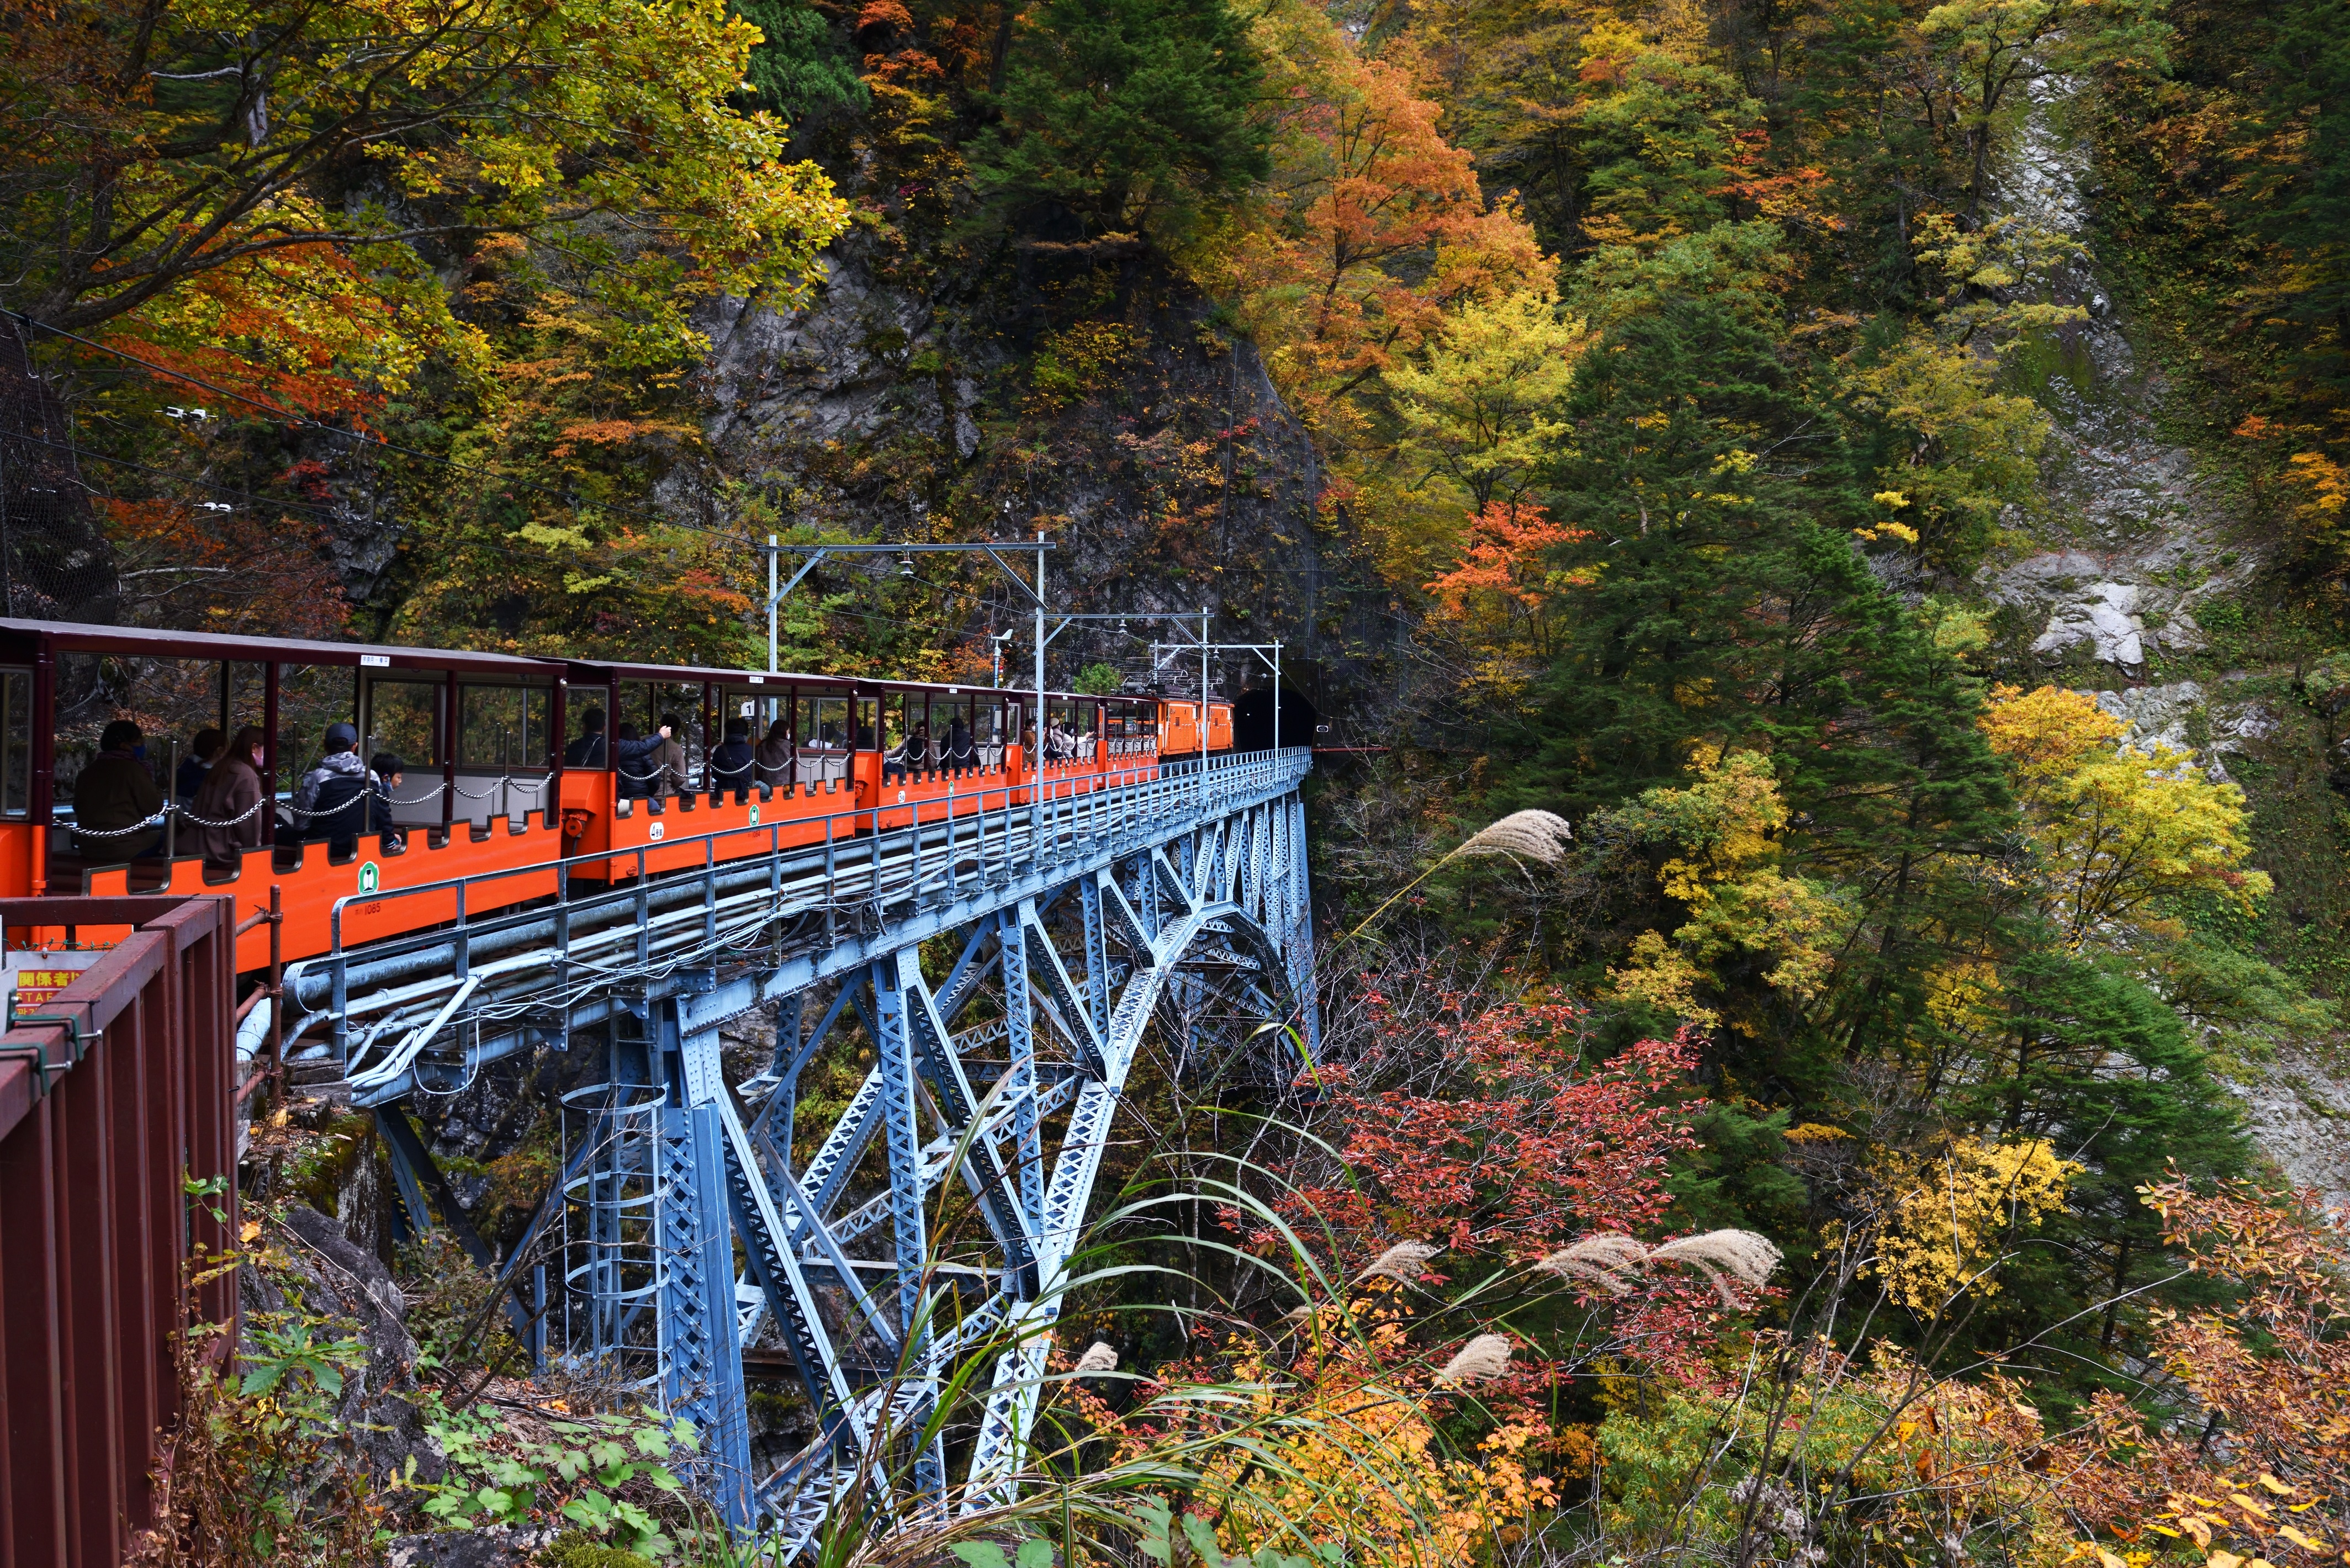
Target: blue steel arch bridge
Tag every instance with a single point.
(1060, 931)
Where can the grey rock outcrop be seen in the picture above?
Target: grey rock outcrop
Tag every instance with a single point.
(326, 1273)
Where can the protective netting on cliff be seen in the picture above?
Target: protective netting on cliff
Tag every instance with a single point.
(55, 562)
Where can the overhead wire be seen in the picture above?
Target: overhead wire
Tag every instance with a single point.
(304, 421)
(96, 455)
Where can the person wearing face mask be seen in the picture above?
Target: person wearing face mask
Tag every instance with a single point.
(114, 791)
(202, 753)
(231, 796)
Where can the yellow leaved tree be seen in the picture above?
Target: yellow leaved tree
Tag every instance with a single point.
(2113, 828)
(1726, 874)
(1948, 1217)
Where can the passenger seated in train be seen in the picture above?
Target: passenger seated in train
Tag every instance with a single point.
(914, 755)
(388, 768)
(668, 760)
(732, 764)
(331, 803)
(226, 811)
(114, 792)
(587, 751)
(777, 754)
(959, 753)
(202, 753)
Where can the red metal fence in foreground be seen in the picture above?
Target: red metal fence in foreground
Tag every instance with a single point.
(113, 1093)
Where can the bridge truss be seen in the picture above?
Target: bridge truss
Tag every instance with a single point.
(1056, 931)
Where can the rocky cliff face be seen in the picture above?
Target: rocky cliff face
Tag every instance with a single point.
(2144, 556)
(1106, 405)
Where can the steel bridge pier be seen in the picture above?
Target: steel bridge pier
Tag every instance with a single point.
(699, 1217)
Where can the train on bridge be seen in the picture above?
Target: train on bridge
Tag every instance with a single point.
(441, 861)
(511, 767)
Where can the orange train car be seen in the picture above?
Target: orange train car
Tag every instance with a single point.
(510, 766)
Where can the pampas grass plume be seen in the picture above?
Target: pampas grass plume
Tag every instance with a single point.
(1483, 1357)
(1742, 1253)
(1600, 1258)
(1401, 1262)
(1099, 1357)
(1541, 835)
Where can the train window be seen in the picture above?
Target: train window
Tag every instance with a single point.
(309, 698)
(169, 699)
(502, 727)
(824, 722)
(403, 717)
(16, 742)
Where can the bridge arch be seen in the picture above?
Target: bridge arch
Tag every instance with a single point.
(1074, 921)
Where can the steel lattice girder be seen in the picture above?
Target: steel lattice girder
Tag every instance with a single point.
(666, 1182)
(1043, 1209)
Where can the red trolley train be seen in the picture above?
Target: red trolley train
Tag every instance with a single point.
(486, 788)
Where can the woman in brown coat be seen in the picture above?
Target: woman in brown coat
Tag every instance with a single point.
(231, 792)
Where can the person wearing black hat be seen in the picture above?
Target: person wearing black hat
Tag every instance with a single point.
(733, 764)
(331, 802)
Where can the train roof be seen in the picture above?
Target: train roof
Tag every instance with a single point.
(83, 637)
(22, 638)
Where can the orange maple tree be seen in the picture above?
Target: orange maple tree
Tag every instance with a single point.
(1375, 224)
(1504, 559)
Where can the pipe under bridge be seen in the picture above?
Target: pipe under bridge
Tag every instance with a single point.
(686, 1228)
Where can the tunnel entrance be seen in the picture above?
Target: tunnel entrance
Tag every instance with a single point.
(1252, 720)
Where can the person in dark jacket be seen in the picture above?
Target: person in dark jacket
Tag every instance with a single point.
(202, 753)
(636, 778)
(114, 791)
(388, 768)
(330, 806)
(733, 764)
(587, 751)
(959, 753)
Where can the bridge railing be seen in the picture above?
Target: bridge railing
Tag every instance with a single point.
(687, 898)
(114, 1093)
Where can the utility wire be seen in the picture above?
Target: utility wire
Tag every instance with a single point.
(290, 417)
(95, 455)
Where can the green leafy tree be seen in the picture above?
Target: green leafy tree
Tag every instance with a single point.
(1121, 113)
(175, 144)
(2081, 1054)
(1696, 601)
(798, 70)
(1718, 605)
(1986, 55)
